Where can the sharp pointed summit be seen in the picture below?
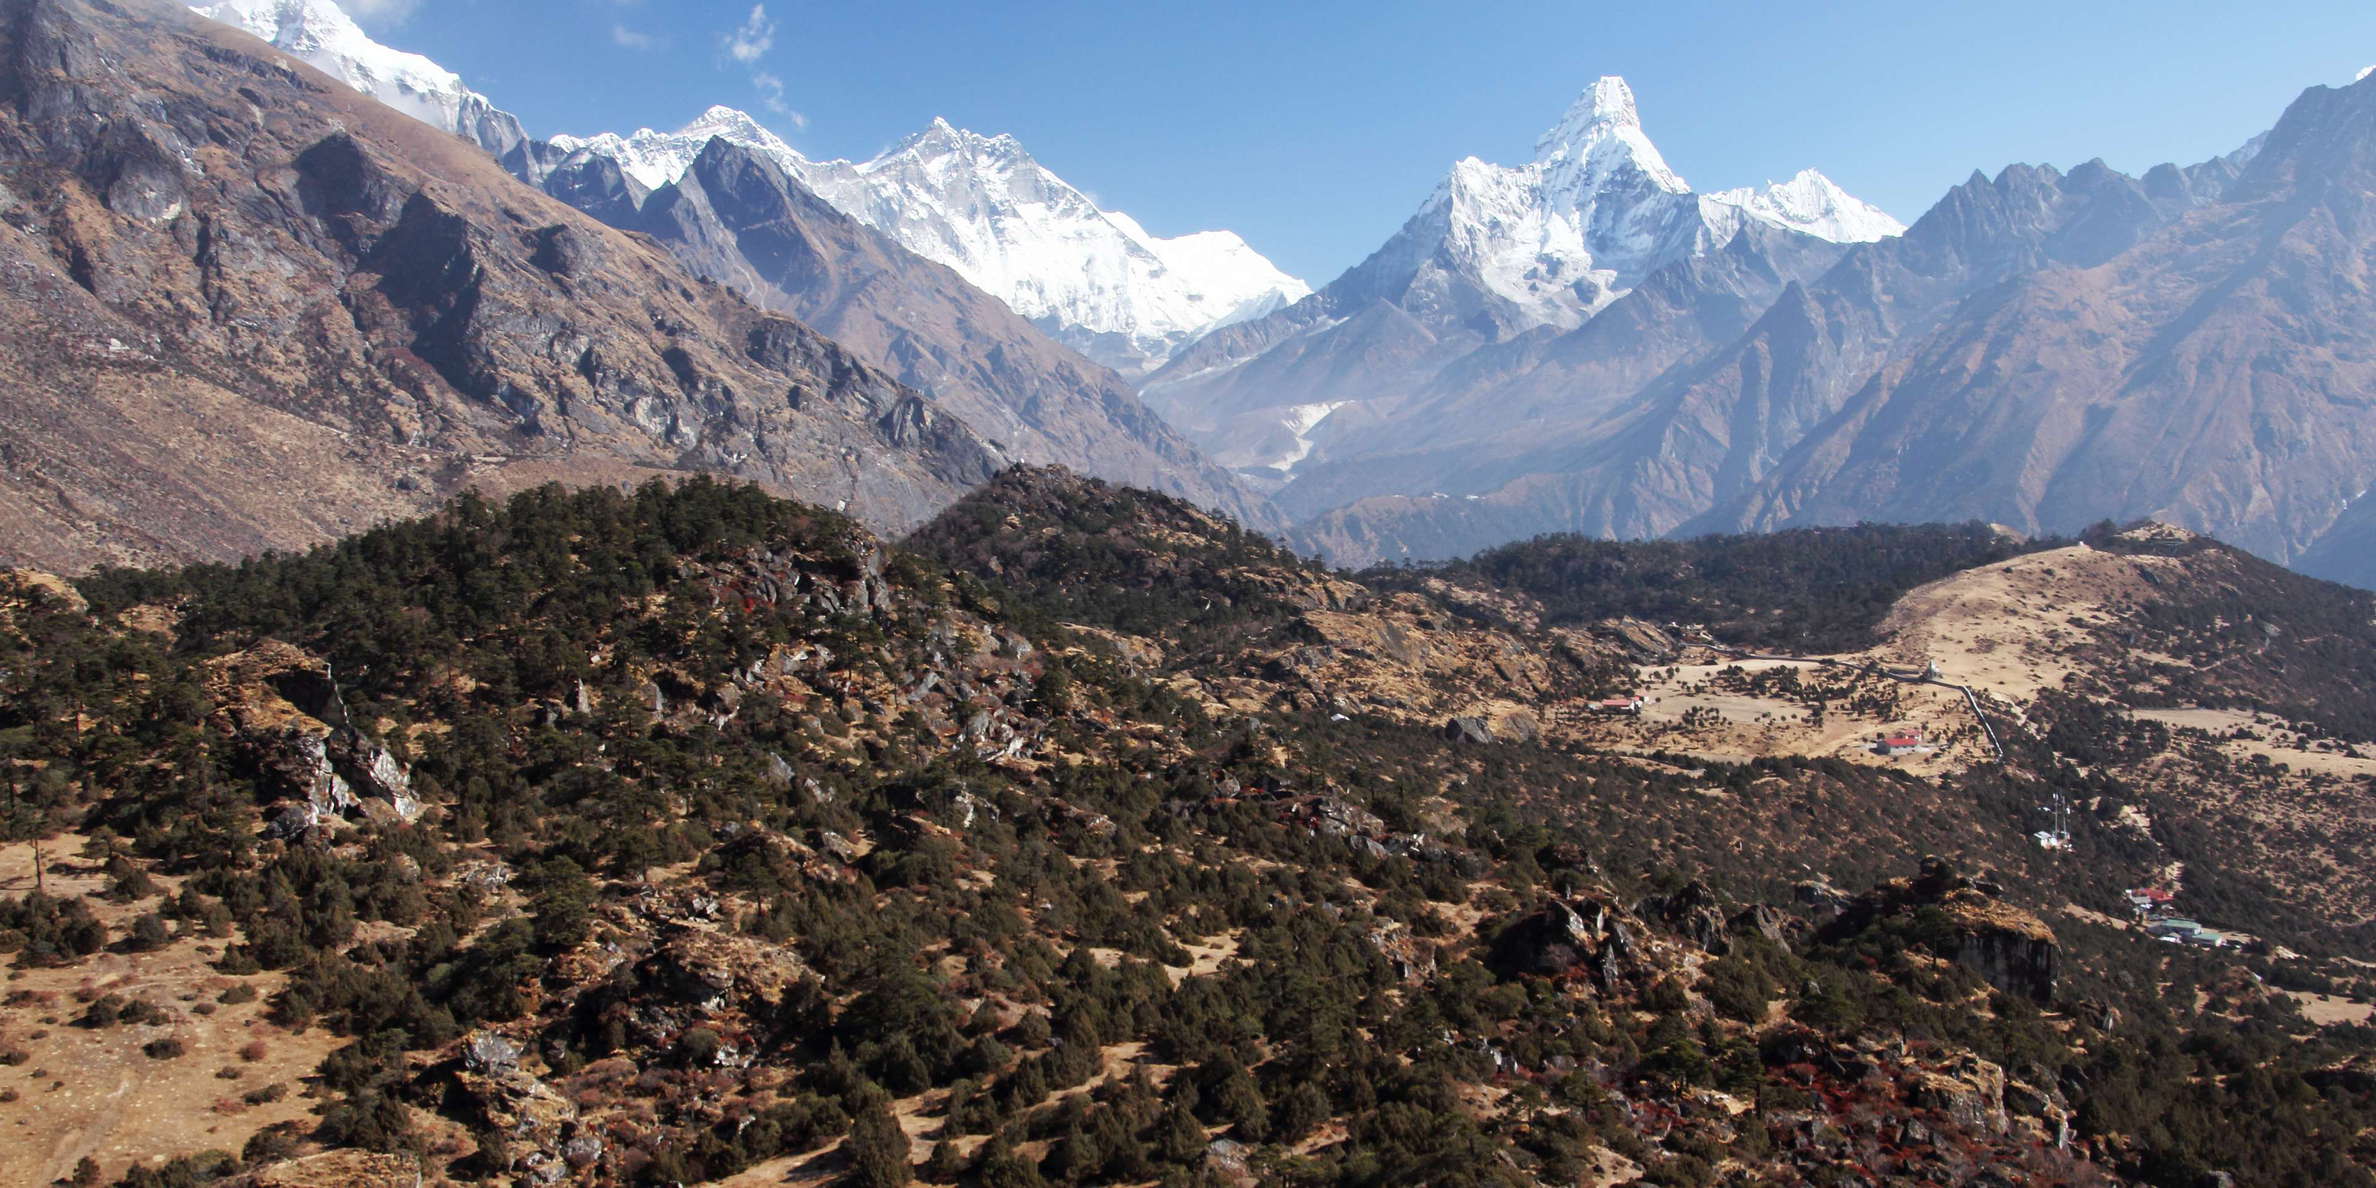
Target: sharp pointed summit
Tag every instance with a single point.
(1605, 108)
(1602, 134)
(1554, 241)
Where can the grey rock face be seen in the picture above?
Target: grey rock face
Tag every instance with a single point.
(1561, 939)
(488, 1052)
(1468, 729)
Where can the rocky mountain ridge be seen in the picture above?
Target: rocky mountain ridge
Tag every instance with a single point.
(1496, 257)
(251, 308)
(930, 329)
(323, 36)
(2042, 349)
(1093, 279)
(735, 217)
(1728, 399)
(2189, 357)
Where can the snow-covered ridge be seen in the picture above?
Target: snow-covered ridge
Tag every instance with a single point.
(1813, 203)
(321, 34)
(657, 158)
(1093, 278)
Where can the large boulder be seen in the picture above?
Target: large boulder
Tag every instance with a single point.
(1692, 911)
(711, 968)
(1642, 642)
(283, 706)
(534, 1119)
(1582, 938)
(1969, 1091)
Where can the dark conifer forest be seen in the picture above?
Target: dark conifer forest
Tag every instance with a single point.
(656, 836)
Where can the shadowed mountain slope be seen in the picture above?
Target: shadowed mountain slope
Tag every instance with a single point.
(250, 308)
(738, 218)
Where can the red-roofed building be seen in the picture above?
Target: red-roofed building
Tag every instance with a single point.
(1901, 742)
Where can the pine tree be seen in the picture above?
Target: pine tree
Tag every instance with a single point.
(1180, 1138)
(1304, 1108)
(878, 1149)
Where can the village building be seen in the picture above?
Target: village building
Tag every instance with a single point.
(2179, 930)
(1901, 742)
(1630, 703)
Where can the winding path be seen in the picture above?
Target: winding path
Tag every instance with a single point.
(1971, 698)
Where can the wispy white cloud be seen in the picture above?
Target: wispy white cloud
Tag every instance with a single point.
(627, 38)
(383, 13)
(771, 92)
(748, 44)
(751, 42)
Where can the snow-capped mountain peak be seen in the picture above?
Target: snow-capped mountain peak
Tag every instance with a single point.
(1094, 279)
(942, 136)
(735, 124)
(1596, 211)
(1601, 135)
(948, 152)
(1813, 203)
(655, 158)
(321, 34)
(1608, 103)
(1600, 143)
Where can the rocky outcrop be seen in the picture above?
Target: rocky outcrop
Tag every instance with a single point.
(1692, 910)
(1469, 728)
(1568, 939)
(1969, 1091)
(2009, 948)
(30, 588)
(538, 1127)
(710, 969)
(283, 706)
(2013, 954)
(334, 1169)
(1760, 920)
(1642, 643)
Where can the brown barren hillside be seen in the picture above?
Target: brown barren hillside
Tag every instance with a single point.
(248, 308)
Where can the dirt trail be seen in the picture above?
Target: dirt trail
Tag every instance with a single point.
(73, 1145)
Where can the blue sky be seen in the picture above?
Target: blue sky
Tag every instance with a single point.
(1314, 127)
